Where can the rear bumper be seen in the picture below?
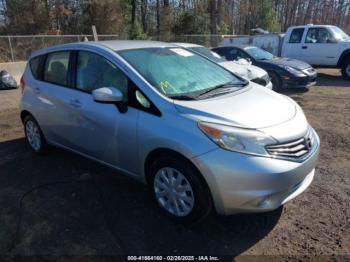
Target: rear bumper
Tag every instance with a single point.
(242, 183)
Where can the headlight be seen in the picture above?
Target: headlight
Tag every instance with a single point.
(294, 71)
(241, 140)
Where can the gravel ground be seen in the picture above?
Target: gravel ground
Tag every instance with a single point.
(92, 210)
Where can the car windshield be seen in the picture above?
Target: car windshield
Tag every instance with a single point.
(258, 53)
(177, 71)
(339, 34)
(208, 53)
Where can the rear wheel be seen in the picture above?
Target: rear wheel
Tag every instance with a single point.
(276, 81)
(179, 190)
(34, 136)
(346, 69)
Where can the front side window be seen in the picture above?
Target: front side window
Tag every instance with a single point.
(175, 71)
(94, 71)
(258, 53)
(231, 54)
(239, 54)
(221, 51)
(296, 36)
(319, 36)
(56, 68)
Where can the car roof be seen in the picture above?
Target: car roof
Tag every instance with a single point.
(118, 45)
(115, 45)
(310, 26)
(187, 45)
(236, 46)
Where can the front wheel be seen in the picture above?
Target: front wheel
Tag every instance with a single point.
(179, 190)
(346, 70)
(276, 81)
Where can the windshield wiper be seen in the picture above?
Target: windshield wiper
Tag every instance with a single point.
(182, 97)
(224, 88)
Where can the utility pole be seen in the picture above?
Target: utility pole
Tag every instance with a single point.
(94, 32)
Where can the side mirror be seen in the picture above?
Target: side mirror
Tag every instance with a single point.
(107, 95)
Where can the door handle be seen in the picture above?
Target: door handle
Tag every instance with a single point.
(75, 103)
(304, 47)
(37, 90)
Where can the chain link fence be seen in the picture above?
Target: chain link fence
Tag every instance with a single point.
(19, 48)
(205, 40)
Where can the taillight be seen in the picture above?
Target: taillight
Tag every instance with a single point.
(22, 84)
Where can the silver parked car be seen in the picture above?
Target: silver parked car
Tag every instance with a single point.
(201, 137)
(243, 67)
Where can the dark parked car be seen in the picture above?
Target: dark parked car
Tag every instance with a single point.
(284, 72)
(6, 80)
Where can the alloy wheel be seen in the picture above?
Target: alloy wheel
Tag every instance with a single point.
(347, 70)
(33, 135)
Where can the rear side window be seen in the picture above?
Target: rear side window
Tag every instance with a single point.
(296, 36)
(36, 64)
(56, 68)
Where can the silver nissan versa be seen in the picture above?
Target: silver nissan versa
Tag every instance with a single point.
(201, 137)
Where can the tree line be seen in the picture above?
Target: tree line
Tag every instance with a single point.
(162, 19)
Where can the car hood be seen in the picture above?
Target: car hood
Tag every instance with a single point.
(251, 107)
(248, 72)
(282, 61)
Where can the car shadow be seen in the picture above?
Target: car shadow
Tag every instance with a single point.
(332, 80)
(8, 88)
(290, 91)
(84, 208)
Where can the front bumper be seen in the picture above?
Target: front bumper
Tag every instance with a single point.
(269, 85)
(242, 183)
(299, 82)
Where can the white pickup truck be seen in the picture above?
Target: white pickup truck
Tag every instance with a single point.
(318, 45)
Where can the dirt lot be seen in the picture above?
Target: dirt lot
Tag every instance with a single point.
(92, 210)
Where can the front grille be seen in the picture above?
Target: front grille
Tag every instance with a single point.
(293, 149)
(264, 80)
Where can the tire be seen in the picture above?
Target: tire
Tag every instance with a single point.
(345, 70)
(191, 201)
(34, 136)
(276, 81)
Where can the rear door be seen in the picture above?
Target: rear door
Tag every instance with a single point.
(53, 91)
(32, 98)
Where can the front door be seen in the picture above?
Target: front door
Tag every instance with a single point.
(292, 47)
(98, 129)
